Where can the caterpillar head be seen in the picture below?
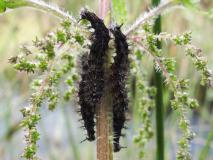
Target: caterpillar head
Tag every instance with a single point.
(116, 31)
(91, 17)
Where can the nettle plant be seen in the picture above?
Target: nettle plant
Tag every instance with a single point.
(95, 63)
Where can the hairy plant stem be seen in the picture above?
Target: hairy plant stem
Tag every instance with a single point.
(148, 16)
(41, 5)
(48, 8)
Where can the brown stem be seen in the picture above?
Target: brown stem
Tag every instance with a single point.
(103, 110)
(104, 120)
(103, 125)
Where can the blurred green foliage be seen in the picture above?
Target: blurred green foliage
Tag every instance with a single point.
(4, 4)
(119, 11)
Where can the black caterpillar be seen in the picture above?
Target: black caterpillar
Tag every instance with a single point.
(92, 77)
(87, 111)
(119, 71)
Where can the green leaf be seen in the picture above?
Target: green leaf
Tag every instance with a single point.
(119, 11)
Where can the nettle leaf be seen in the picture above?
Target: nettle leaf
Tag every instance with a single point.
(119, 11)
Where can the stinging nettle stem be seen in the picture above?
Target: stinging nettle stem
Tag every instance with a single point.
(41, 5)
(103, 110)
(147, 16)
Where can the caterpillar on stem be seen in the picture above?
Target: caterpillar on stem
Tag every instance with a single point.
(92, 77)
(119, 70)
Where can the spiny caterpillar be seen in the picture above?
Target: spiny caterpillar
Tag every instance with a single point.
(92, 77)
(119, 71)
(87, 110)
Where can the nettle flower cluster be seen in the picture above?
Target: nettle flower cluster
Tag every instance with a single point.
(145, 41)
(54, 60)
